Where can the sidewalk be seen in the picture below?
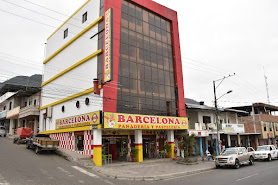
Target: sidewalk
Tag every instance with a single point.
(152, 169)
(157, 169)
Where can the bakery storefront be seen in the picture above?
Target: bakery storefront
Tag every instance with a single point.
(146, 136)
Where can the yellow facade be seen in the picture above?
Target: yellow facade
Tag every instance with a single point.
(171, 152)
(267, 130)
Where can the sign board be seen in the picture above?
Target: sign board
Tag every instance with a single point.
(144, 122)
(3, 114)
(199, 133)
(233, 128)
(87, 119)
(108, 46)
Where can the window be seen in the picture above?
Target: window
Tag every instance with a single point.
(10, 105)
(146, 73)
(270, 126)
(66, 32)
(84, 17)
(30, 102)
(79, 141)
(87, 101)
(63, 108)
(6, 107)
(25, 103)
(35, 102)
(276, 126)
(264, 127)
(206, 119)
(77, 104)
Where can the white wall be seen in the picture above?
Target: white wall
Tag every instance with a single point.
(81, 77)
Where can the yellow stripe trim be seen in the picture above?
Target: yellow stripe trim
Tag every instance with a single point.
(70, 97)
(68, 19)
(73, 39)
(67, 130)
(73, 66)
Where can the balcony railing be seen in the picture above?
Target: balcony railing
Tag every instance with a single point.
(29, 111)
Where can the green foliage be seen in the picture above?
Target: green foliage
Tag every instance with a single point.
(134, 152)
(188, 144)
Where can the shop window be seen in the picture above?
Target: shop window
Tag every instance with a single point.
(66, 32)
(84, 17)
(264, 127)
(79, 141)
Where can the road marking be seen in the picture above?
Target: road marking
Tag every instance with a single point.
(107, 181)
(247, 177)
(85, 172)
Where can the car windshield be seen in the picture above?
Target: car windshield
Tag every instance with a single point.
(230, 151)
(262, 148)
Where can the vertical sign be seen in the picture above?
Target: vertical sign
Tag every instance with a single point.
(108, 46)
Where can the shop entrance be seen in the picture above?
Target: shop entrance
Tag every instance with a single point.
(149, 147)
(116, 146)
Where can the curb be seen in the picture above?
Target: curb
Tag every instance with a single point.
(154, 178)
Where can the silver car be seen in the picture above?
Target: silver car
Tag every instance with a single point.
(2, 131)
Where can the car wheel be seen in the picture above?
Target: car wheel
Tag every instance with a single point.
(269, 157)
(14, 141)
(37, 150)
(217, 166)
(236, 166)
(251, 160)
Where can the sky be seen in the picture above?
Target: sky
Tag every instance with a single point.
(218, 38)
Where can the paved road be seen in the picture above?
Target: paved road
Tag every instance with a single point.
(21, 166)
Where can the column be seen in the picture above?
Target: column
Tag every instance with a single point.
(35, 125)
(229, 140)
(201, 146)
(206, 143)
(97, 146)
(171, 142)
(256, 142)
(248, 141)
(138, 145)
(128, 148)
(11, 131)
(238, 139)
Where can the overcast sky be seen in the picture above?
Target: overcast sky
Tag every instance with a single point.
(218, 38)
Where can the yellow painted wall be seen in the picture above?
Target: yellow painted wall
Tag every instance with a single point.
(98, 156)
(139, 157)
(264, 133)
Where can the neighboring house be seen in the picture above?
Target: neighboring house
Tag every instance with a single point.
(261, 123)
(106, 63)
(14, 110)
(202, 123)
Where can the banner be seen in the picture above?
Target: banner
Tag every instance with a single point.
(143, 122)
(199, 133)
(82, 120)
(233, 128)
(108, 46)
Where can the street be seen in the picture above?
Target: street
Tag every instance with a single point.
(21, 166)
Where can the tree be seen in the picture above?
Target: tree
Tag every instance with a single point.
(189, 145)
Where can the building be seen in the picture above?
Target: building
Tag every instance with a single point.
(19, 104)
(113, 81)
(261, 123)
(202, 123)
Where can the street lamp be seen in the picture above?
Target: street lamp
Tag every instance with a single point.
(216, 108)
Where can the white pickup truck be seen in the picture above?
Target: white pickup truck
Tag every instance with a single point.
(268, 152)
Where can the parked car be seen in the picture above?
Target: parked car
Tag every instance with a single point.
(2, 131)
(41, 142)
(236, 156)
(266, 152)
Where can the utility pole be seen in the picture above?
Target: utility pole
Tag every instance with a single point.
(266, 86)
(216, 109)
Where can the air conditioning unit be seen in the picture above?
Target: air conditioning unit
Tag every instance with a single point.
(49, 112)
